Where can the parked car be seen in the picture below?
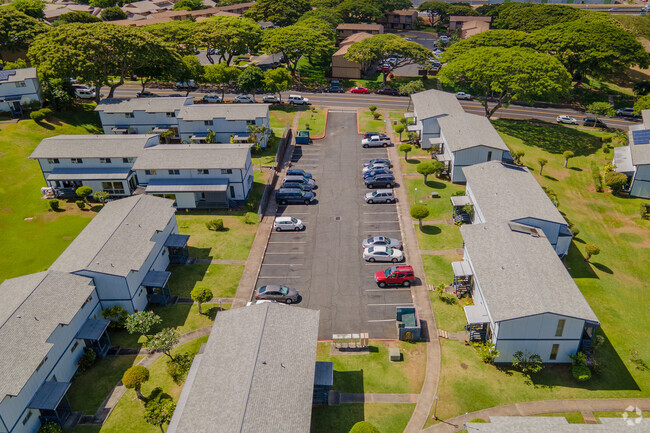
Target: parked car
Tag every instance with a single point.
(212, 98)
(244, 99)
(380, 196)
(375, 141)
(287, 223)
(359, 89)
(376, 171)
(464, 96)
(84, 93)
(383, 68)
(189, 84)
(275, 292)
(382, 254)
(380, 181)
(293, 195)
(145, 94)
(271, 99)
(302, 186)
(299, 172)
(335, 87)
(376, 166)
(592, 121)
(444, 38)
(381, 241)
(372, 134)
(395, 276)
(301, 180)
(298, 100)
(378, 161)
(388, 91)
(567, 120)
(626, 112)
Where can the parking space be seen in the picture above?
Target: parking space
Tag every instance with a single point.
(324, 262)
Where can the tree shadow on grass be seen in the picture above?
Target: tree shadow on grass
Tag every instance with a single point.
(336, 419)
(576, 265)
(575, 168)
(436, 184)
(550, 178)
(185, 277)
(431, 230)
(349, 381)
(602, 268)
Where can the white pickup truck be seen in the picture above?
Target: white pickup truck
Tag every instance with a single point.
(375, 141)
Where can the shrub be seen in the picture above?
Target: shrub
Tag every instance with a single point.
(87, 360)
(581, 373)
(615, 181)
(376, 115)
(528, 363)
(644, 210)
(364, 427)
(605, 148)
(46, 112)
(517, 155)
(216, 225)
(591, 250)
(250, 218)
(179, 366)
(607, 137)
(83, 192)
(81, 204)
(54, 204)
(134, 377)
(37, 116)
(487, 352)
(50, 427)
(200, 295)
(100, 196)
(372, 108)
(117, 315)
(596, 176)
(552, 196)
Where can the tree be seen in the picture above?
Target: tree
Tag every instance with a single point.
(159, 412)
(517, 155)
(641, 88)
(189, 5)
(295, 42)
(542, 162)
(615, 181)
(17, 64)
(507, 74)
(164, 341)
(425, 168)
(591, 250)
(280, 12)
(643, 103)
(33, 8)
(399, 129)
(142, 323)
(600, 109)
(359, 11)
(529, 17)
(323, 27)
(166, 64)
(419, 212)
(406, 148)
(102, 3)
(222, 75)
(83, 192)
(277, 80)
(380, 47)
(17, 30)
(182, 34)
(567, 156)
(100, 196)
(50, 427)
(411, 87)
(435, 9)
(75, 17)
(200, 295)
(251, 79)
(113, 13)
(493, 38)
(329, 15)
(228, 36)
(134, 377)
(364, 427)
(528, 363)
(256, 134)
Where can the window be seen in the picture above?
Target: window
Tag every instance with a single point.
(128, 115)
(202, 171)
(150, 172)
(554, 350)
(113, 187)
(171, 114)
(74, 346)
(76, 160)
(41, 364)
(226, 171)
(174, 172)
(490, 156)
(127, 160)
(104, 160)
(208, 122)
(21, 84)
(52, 160)
(250, 122)
(560, 327)
(27, 417)
(232, 191)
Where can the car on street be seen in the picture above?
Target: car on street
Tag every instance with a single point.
(375, 141)
(302, 186)
(145, 94)
(301, 180)
(376, 171)
(212, 98)
(626, 112)
(444, 38)
(380, 181)
(378, 161)
(380, 196)
(395, 276)
(388, 91)
(383, 68)
(244, 99)
(285, 223)
(293, 195)
(568, 120)
(271, 99)
(82, 93)
(372, 134)
(299, 172)
(359, 89)
(381, 241)
(382, 254)
(276, 292)
(592, 121)
(298, 100)
(463, 96)
(189, 84)
(375, 166)
(335, 87)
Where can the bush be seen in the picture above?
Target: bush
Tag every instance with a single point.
(117, 315)
(615, 181)
(487, 352)
(581, 373)
(364, 427)
(607, 137)
(46, 112)
(596, 176)
(50, 427)
(179, 366)
(37, 116)
(87, 360)
(376, 115)
(250, 218)
(216, 225)
(644, 210)
(83, 192)
(605, 148)
(54, 204)
(372, 108)
(134, 377)
(81, 204)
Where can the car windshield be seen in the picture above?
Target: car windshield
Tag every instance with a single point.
(262, 289)
(389, 251)
(302, 193)
(387, 240)
(293, 220)
(374, 194)
(387, 273)
(284, 290)
(371, 249)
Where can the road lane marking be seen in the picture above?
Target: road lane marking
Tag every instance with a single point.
(287, 242)
(391, 305)
(283, 264)
(294, 252)
(385, 290)
(382, 320)
(288, 276)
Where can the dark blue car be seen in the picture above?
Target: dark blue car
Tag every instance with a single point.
(371, 173)
(302, 186)
(298, 172)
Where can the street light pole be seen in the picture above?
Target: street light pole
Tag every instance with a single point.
(435, 407)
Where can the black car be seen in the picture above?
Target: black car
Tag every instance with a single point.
(592, 121)
(298, 172)
(301, 186)
(388, 91)
(378, 161)
(380, 181)
(293, 195)
(333, 89)
(373, 134)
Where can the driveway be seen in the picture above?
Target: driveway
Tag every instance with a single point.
(324, 262)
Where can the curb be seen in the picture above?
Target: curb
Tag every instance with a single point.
(358, 124)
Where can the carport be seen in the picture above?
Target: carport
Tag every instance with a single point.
(191, 193)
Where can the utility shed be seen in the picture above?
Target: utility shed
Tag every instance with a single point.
(256, 374)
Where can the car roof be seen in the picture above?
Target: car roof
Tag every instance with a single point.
(390, 191)
(401, 268)
(289, 190)
(283, 218)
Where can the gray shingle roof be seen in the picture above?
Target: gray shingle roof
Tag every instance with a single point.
(93, 146)
(256, 374)
(149, 105)
(31, 308)
(521, 275)
(523, 424)
(223, 111)
(118, 239)
(463, 131)
(20, 75)
(507, 192)
(434, 103)
(193, 156)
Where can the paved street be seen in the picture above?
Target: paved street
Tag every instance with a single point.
(324, 262)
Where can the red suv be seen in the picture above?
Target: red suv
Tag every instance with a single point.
(395, 275)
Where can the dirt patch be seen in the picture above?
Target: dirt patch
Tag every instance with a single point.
(464, 366)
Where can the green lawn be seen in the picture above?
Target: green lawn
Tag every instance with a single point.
(645, 414)
(221, 279)
(438, 268)
(439, 208)
(49, 233)
(315, 118)
(367, 122)
(571, 417)
(373, 372)
(439, 237)
(84, 429)
(234, 243)
(281, 116)
(128, 415)
(386, 417)
(448, 311)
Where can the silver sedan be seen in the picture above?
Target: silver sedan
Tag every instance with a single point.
(381, 241)
(382, 254)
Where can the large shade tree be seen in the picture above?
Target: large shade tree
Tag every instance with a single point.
(506, 74)
(529, 17)
(279, 12)
(359, 11)
(181, 34)
(17, 30)
(295, 42)
(493, 38)
(33, 8)
(228, 35)
(222, 75)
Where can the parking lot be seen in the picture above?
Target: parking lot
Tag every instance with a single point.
(324, 261)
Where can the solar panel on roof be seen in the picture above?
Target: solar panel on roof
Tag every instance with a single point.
(641, 137)
(4, 75)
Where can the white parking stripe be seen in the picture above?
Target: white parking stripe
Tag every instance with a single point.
(385, 290)
(288, 276)
(405, 304)
(289, 242)
(294, 252)
(375, 213)
(382, 320)
(283, 264)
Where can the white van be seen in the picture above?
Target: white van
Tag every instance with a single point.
(84, 93)
(298, 100)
